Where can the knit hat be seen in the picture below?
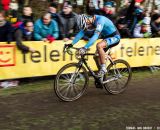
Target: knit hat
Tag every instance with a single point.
(138, 11)
(53, 4)
(121, 21)
(155, 16)
(67, 4)
(146, 21)
(13, 6)
(110, 4)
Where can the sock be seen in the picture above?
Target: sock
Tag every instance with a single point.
(103, 67)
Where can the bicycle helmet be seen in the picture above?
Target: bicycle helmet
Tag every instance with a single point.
(82, 21)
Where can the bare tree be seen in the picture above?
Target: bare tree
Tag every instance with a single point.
(157, 3)
(26, 2)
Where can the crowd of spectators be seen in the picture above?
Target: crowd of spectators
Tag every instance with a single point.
(133, 20)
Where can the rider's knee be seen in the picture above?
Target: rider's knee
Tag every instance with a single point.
(99, 45)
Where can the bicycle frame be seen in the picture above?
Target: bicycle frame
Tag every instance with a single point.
(83, 61)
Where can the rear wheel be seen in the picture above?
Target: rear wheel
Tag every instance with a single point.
(120, 74)
(71, 82)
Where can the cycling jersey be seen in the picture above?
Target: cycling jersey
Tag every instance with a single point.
(105, 27)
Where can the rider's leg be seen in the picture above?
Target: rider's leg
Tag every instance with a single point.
(100, 48)
(97, 61)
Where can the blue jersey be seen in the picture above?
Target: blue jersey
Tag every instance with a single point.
(103, 25)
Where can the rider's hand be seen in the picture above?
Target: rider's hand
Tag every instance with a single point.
(45, 39)
(32, 50)
(82, 51)
(65, 39)
(69, 45)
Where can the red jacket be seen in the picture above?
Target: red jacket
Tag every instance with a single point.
(139, 1)
(5, 4)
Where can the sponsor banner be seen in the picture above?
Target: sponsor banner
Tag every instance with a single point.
(49, 58)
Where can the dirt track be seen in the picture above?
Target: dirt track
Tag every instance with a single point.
(138, 106)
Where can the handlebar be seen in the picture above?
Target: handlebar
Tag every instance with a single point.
(67, 49)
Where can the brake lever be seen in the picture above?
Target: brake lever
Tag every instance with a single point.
(67, 49)
(64, 48)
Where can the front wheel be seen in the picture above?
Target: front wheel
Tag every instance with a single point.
(120, 73)
(71, 82)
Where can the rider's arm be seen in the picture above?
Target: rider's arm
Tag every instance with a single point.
(100, 25)
(92, 40)
(78, 37)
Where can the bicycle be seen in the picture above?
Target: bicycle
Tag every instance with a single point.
(72, 79)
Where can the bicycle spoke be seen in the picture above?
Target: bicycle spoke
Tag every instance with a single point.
(120, 70)
(71, 82)
(126, 70)
(63, 87)
(75, 90)
(65, 77)
(67, 92)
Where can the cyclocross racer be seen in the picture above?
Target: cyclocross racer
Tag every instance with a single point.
(102, 26)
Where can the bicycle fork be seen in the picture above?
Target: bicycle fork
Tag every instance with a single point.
(117, 74)
(75, 74)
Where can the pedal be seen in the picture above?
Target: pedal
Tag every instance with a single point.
(110, 79)
(98, 85)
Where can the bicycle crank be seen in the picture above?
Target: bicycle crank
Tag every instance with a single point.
(111, 79)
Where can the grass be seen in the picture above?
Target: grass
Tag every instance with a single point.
(27, 88)
(41, 85)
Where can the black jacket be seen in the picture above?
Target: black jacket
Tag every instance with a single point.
(25, 18)
(6, 32)
(20, 36)
(67, 25)
(155, 28)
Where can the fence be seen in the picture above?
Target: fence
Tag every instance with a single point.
(49, 58)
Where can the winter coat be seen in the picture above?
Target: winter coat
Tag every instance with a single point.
(42, 31)
(6, 32)
(54, 16)
(138, 34)
(22, 35)
(25, 18)
(5, 4)
(68, 25)
(155, 27)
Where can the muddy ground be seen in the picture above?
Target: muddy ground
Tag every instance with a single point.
(139, 106)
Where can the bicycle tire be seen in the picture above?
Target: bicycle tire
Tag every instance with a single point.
(115, 83)
(57, 80)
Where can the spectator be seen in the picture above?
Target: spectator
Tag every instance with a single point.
(143, 29)
(155, 25)
(124, 8)
(110, 10)
(67, 22)
(24, 33)
(123, 29)
(138, 15)
(91, 9)
(13, 12)
(46, 29)
(53, 11)
(107, 11)
(5, 28)
(27, 14)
